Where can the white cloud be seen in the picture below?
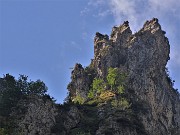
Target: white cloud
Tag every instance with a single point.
(138, 11)
(125, 10)
(96, 3)
(84, 11)
(164, 5)
(104, 13)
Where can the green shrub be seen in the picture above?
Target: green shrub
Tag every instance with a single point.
(98, 85)
(9, 96)
(91, 94)
(122, 103)
(116, 79)
(30, 87)
(2, 131)
(112, 77)
(78, 99)
(120, 89)
(95, 101)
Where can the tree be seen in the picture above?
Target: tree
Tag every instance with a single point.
(116, 79)
(12, 90)
(23, 84)
(91, 94)
(112, 77)
(38, 87)
(120, 89)
(78, 99)
(98, 85)
(9, 94)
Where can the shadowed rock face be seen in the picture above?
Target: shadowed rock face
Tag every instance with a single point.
(143, 56)
(149, 105)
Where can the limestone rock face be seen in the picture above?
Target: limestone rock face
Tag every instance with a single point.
(143, 56)
(38, 116)
(81, 81)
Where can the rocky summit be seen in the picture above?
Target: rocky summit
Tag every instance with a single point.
(126, 90)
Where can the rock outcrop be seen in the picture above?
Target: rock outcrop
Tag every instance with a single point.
(38, 118)
(143, 56)
(126, 90)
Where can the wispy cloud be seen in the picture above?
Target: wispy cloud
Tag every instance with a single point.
(104, 13)
(138, 11)
(167, 11)
(96, 3)
(85, 11)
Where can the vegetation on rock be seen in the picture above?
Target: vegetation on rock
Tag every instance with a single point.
(125, 90)
(12, 92)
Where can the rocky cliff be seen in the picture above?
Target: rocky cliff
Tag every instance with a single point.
(143, 57)
(126, 90)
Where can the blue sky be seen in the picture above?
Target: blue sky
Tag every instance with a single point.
(45, 38)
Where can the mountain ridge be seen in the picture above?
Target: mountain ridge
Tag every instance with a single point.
(126, 90)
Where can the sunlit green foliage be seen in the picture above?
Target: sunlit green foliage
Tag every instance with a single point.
(116, 80)
(121, 103)
(112, 77)
(98, 85)
(78, 99)
(124, 103)
(91, 94)
(95, 101)
(120, 89)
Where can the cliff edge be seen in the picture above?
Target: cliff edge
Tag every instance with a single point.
(142, 56)
(126, 90)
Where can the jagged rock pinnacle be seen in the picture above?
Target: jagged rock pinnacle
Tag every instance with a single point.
(143, 56)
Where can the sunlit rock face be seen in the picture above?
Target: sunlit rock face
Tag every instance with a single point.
(143, 56)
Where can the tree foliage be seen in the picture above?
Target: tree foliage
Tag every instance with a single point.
(121, 104)
(98, 85)
(78, 99)
(30, 87)
(116, 79)
(120, 89)
(9, 94)
(12, 90)
(112, 77)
